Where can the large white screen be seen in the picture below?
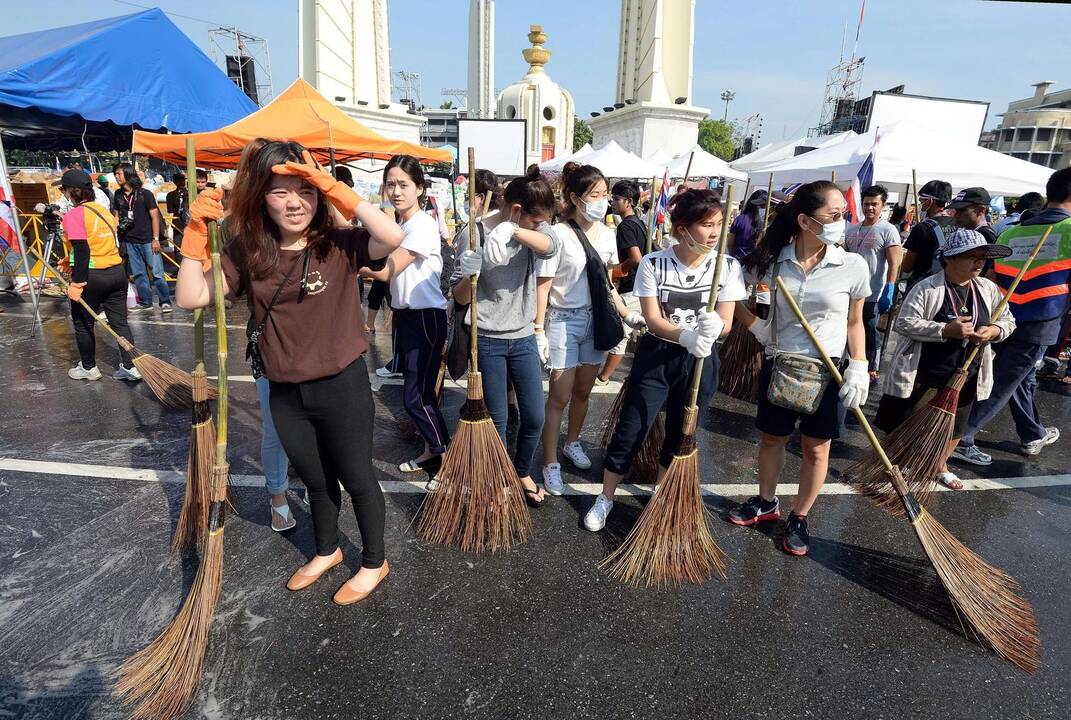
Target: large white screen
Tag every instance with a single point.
(499, 145)
(960, 119)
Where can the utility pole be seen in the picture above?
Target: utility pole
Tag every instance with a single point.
(727, 97)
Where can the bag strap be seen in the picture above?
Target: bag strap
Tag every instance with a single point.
(775, 270)
(106, 223)
(593, 257)
(278, 291)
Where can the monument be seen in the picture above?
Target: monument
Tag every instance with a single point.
(481, 89)
(546, 106)
(343, 51)
(652, 110)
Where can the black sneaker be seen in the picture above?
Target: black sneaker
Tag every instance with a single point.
(797, 540)
(755, 510)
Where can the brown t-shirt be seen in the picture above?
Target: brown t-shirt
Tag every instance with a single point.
(320, 335)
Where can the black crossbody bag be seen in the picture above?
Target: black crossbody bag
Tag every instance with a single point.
(252, 348)
(608, 328)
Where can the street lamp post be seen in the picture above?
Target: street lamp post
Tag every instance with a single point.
(727, 97)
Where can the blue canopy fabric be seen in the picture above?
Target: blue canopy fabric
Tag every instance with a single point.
(90, 71)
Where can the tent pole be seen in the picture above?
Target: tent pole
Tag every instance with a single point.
(5, 179)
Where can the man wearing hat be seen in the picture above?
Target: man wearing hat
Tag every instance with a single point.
(969, 209)
(927, 237)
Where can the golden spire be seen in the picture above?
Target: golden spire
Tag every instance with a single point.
(536, 56)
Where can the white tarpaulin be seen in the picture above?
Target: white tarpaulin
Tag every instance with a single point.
(901, 149)
(558, 163)
(661, 158)
(704, 165)
(785, 149)
(616, 162)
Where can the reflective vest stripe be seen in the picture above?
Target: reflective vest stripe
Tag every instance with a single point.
(1039, 294)
(1035, 271)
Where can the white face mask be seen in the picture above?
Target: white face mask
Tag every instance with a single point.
(696, 247)
(833, 233)
(596, 209)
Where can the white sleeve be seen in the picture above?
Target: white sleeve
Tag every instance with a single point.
(646, 284)
(860, 287)
(548, 267)
(608, 245)
(422, 237)
(732, 284)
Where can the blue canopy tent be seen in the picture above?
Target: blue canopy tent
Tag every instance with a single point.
(87, 86)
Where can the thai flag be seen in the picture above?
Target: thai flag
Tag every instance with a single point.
(862, 181)
(663, 203)
(8, 235)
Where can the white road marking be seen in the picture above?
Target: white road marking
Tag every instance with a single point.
(134, 319)
(113, 472)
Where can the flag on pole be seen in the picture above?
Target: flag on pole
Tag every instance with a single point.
(862, 181)
(663, 203)
(8, 234)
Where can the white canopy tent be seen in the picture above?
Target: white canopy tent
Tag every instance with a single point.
(616, 162)
(703, 165)
(901, 149)
(785, 149)
(661, 158)
(558, 163)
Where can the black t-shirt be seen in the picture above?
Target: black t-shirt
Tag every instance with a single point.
(135, 206)
(939, 360)
(178, 208)
(630, 233)
(924, 243)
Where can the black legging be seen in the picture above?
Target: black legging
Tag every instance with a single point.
(104, 289)
(325, 427)
(377, 294)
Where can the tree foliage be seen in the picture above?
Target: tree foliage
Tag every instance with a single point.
(581, 134)
(716, 137)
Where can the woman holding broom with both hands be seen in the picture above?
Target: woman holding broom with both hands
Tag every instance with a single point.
(674, 287)
(801, 246)
(516, 235)
(302, 274)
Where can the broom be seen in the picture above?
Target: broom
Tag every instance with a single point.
(193, 518)
(983, 595)
(161, 678)
(171, 386)
(479, 505)
(740, 360)
(671, 541)
(920, 444)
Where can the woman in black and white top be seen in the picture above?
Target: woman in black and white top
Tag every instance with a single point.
(801, 247)
(673, 286)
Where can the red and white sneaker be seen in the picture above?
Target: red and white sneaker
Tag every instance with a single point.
(755, 510)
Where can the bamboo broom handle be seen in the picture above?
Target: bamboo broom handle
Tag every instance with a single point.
(1003, 305)
(221, 346)
(688, 168)
(651, 217)
(834, 372)
(915, 192)
(474, 243)
(83, 303)
(199, 313)
(769, 196)
(712, 301)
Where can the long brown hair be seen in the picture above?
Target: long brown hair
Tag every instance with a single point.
(251, 226)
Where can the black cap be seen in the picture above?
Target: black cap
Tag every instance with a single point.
(939, 190)
(970, 196)
(76, 179)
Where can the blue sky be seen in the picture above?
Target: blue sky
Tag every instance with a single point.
(774, 53)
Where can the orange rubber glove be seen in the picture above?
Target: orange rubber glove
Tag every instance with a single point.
(206, 207)
(64, 266)
(341, 195)
(74, 290)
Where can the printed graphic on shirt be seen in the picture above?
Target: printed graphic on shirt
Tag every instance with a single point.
(683, 292)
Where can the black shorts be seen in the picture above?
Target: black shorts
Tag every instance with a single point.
(894, 411)
(824, 424)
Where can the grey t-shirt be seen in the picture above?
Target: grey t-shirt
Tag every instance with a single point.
(871, 242)
(506, 290)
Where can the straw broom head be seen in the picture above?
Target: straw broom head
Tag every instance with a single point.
(740, 362)
(644, 470)
(193, 518)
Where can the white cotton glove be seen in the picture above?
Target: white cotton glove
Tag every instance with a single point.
(710, 324)
(761, 330)
(635, 321)
(696, 343)
(495, 250)
(470, 262)
(543, 346)
(856, 385)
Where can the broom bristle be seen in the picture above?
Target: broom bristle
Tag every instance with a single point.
(670, 543)
(193, 518)
(171, 385)
(919, 447)
(644, 470)
(479, 505)
(614, 414)
(161, 678)
(740, 359)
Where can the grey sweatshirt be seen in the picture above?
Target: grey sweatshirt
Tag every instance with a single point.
(506, 291)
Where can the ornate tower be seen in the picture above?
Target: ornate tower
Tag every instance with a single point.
(481, 90)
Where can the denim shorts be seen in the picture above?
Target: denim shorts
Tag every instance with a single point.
(571, 336)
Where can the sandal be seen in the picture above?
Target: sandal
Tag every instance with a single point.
(281, 517)
(532, 496)
(950, 481)
(431, 466)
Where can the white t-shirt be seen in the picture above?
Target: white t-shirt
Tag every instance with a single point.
(683, 291)
(568, 267)
(417, 287)
(871, 242)
(823, 295)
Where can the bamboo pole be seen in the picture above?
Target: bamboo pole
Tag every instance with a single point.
(651, 215)
(474, 244)
(769, 197)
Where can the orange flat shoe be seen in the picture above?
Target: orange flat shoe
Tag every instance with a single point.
(346, 596)
(300, 581)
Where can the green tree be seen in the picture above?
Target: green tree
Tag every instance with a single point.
(716, 137)
(447, 105)
(581, 133)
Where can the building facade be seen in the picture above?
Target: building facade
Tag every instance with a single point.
(441, 128)
(1038, 129)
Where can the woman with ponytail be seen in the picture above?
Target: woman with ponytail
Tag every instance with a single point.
(802, 247)
(514, 236)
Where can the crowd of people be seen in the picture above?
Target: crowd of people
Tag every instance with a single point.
(559, 291)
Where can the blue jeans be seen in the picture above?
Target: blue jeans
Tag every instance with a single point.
(517, 360)
(870, 333)
(272, 456)
(1014, 383)
(142, 257)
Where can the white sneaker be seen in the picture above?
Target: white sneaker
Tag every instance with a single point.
(386, 372)
(80, 373)
(552, 479)
(124, 373)
(103, 317)
(1052, 434)
(433, 484)
(575, 452)
(165, 308)
(595, 520)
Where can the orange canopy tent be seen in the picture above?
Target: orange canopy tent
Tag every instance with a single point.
(299, 114)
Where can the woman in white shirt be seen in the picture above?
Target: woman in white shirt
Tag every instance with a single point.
(564, 322)
(801, 247)
(419, 307)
